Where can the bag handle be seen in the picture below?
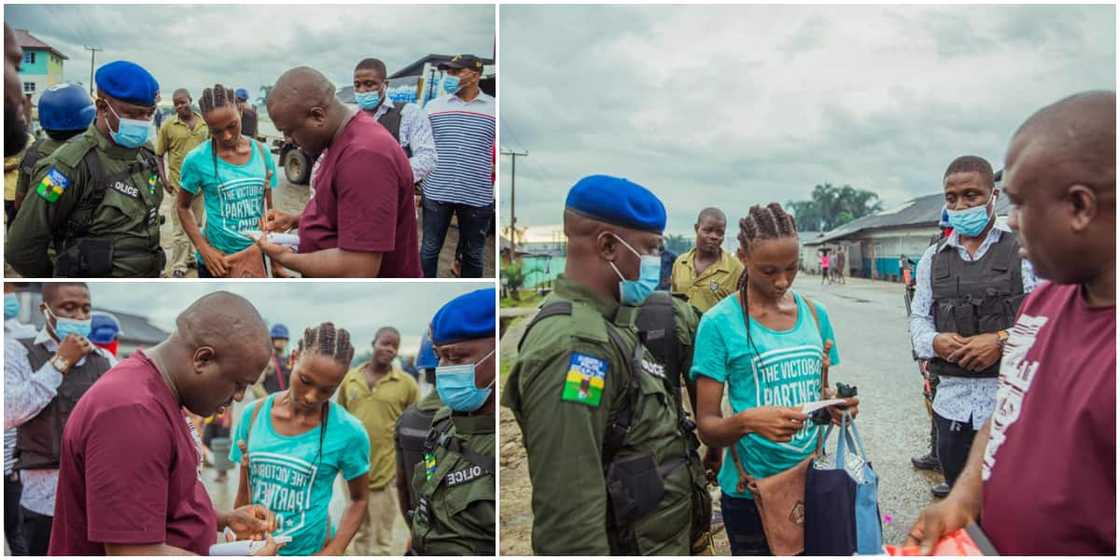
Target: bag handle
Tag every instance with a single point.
(249, 432)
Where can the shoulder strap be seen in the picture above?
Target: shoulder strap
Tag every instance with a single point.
(550, 309)
(618, 425)
(30, 158)
(253, 420)
(657, 323)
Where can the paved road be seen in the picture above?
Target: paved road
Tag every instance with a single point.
(872, 338)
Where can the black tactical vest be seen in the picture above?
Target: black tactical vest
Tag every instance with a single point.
(391, 120)
(410, 435)
(39, 440)
(979, 297)
(657, 329)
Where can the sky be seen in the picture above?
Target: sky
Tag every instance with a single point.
(249, 46)
(361, 308)
(732, 106)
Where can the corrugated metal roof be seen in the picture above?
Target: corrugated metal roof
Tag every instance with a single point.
(28, 41)
(415, 68)
(137, 329)
(924, 211)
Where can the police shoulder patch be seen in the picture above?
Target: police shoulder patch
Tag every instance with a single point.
(52, 185)
(586, 377)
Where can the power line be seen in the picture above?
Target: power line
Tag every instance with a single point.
(92, 51)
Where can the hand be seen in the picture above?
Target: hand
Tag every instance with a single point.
(215, 261)
(945, 344)
(773, 422)
(169, 188)
(978, 353)
(850, 406)
(252, 522)
(271, 547)
(938, 520)
(278, 271)
(271, 249)
(275, 220)
(74, 348)
(713, 460)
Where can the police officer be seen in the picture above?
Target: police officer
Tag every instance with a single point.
(65, 111)
(413, 425)
(612, 455)
(96, 199)
(454, 485)
(970, 287)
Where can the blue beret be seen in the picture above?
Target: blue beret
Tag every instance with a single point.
(617, 201)
(128, 82)
(426, 358)
(467, 317)
(103, 328)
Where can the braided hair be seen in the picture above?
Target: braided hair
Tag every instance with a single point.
(761, 223)
(215, 98)
(326, 340)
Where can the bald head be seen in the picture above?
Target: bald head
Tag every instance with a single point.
(302, 86)
(223, 320)
(712, 213)
(303, 107)
(1079, 133)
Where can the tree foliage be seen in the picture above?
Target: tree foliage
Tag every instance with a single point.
(831, 207)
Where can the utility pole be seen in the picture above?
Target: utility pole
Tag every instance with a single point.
(92, 52)
(512, 198)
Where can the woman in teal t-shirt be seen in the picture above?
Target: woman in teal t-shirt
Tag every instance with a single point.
(234, 174)
(297, 442)
(771, 361)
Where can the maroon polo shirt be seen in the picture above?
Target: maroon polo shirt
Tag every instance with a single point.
(364, 200)
(129, 472)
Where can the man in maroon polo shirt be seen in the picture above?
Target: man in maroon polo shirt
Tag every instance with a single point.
(1041, 476)
(130, 479)
(361, 220)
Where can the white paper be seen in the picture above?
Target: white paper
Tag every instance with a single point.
(810, 407)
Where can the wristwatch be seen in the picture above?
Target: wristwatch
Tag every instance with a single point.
(59, 363)
(1002, 336)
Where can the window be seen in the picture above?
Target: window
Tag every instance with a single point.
(28, 87)
(29, 58)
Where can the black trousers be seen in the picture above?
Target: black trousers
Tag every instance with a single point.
(954, 441)
(36, 531)
(12, 491)
(744, 527)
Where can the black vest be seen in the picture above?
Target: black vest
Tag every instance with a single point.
(410, 434)
(979, 297)
(39, 440)
(391, 120)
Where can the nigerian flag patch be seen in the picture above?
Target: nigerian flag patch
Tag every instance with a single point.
(587, 375)
(52, 185)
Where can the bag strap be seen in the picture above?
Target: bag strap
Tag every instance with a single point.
(744, 478)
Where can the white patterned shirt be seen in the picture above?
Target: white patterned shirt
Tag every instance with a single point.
(958, 398)
(415, 134)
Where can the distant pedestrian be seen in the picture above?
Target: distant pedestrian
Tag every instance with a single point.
(405, 121)
(825, 261)
(176, 138)
(464, 126)
(706, 273)
(248, 113)
(105, 332)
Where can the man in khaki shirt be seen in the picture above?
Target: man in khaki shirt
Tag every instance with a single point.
(176, 138)
(376, 393)
(706, 273)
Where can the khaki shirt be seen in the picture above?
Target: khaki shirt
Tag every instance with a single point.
(719, 280)
(378, 408)
(177, 139)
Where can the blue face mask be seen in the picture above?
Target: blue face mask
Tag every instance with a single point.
(971, 222)
(130, 133)
(456, 387)
(368, 100)
(451, 84)
(635, 292)
(11, 306)
(64, 326)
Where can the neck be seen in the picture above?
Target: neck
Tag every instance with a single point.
(1101, 291)
(289, 403)
(379, 368)
(164, 353)
(583, 276)
(973, 243)
(103, 126)
(707, 254)
(469, 93)
(761, 301)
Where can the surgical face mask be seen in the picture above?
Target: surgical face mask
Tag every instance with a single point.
(635, 292)
(11, 306)
(456, 387)
(130, 133)
(368, 100)
(64, 326)
(971, 222)
(451, 84)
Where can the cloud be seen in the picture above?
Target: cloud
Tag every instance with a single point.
(735, 106)
(249, 46)
(359, 307)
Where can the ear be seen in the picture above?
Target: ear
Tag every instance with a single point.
(1084, 206)
(607, 245)
(203, 357)
(319, 115)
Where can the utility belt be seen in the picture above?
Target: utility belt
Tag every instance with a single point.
(93, 257)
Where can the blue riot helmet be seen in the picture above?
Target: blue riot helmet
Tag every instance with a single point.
(66, 107)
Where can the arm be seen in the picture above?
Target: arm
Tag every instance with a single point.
(25, 392)
(352, 518)
(423, 145)
(30, 234)
(214, 259)
(328, 263)
(961, 507)
(927, 342)
(403, 479)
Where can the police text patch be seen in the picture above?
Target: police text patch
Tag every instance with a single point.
(52, 185)
(462, 476)
(126, 188)
(586, 377)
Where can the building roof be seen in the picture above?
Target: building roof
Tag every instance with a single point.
(28, 41)
(136, 329)
(417, 67)
(924, 211)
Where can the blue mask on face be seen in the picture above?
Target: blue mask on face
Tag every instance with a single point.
(635, 292)
(971, 222)
(130, 133)
(451, 84)
(11, 306)
(456, 387)
(64, 326)
(368, 100)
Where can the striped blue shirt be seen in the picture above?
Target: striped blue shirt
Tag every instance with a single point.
(464, 132)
